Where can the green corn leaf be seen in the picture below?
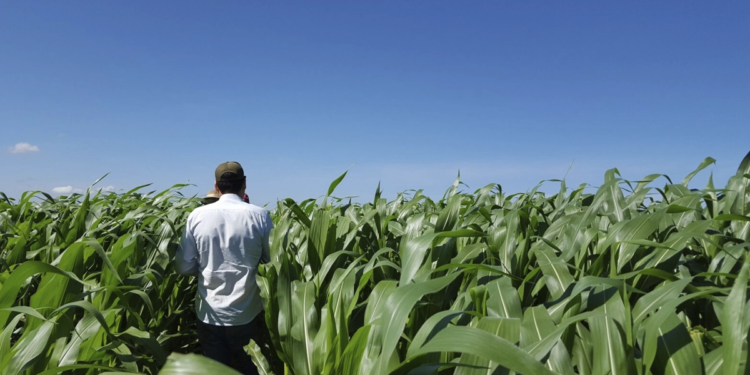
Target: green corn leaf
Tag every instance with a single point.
(90, 309)
(624, 232)
(583, 350)
(28, 348)
(414, 251)
(508, 329)
(305, 328)
(431, 327)
(319, 232)
(5, 337)
(105, 258)
(559, 360)
(536, 326)
(734, 332)
(653, 300)
(555, 270)
(335, 183)
(607, 332)
(145, 340)
(87, 327)
(449, 216)
(503, 301)
(377, 299)
(62, 369)
(260, 361)
(395, 312)
(485, 345)
(191, 364)
(298, 213)
(351, 360)
(26, 310)
(675, 353)
(713, 361)
(705, 163)
(652, 324)
(13, 284)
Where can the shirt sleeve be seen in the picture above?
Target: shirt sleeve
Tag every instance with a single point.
(186, 260)
(266, 255)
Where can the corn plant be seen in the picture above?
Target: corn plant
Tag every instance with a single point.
(86, 282)
(617, 281)
(628, 279)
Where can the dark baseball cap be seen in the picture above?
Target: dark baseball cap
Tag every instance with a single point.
(232, 167)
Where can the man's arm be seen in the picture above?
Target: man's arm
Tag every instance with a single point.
(186, 260)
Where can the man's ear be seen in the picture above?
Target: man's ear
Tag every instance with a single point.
(216, 187)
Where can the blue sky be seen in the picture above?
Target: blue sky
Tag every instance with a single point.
(406, 92)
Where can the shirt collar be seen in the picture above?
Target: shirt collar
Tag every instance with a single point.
(230, 197)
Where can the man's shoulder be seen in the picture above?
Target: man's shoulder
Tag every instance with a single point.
(198, 211)
(255, 208)
(230, 206)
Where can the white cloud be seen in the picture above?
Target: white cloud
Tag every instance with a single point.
(66, 190)
(22, 148)
(63, 190)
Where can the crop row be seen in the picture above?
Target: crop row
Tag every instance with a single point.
(629, 279)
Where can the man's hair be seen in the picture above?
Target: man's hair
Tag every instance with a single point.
(230, 183)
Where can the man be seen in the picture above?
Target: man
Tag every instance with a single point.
(211, 197)
(223, 244)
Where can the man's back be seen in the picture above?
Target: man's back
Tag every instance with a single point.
(229, 238)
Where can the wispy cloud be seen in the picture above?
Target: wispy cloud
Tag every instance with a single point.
(70, 189)
(23, 148)
(66, 190)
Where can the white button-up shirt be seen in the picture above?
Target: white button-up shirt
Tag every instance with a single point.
(223, 244)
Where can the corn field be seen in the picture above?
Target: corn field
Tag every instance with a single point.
(628, 279)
